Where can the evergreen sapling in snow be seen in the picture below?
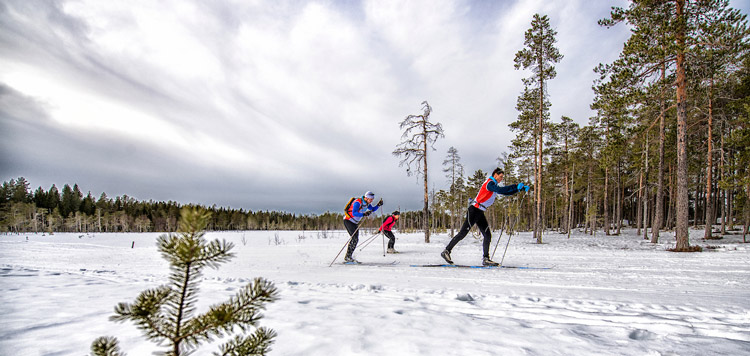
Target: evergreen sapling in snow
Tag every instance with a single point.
(167, 314)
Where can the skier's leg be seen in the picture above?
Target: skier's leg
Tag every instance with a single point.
(351, 228)
(484, 227)
(391, 238)
(464, 229)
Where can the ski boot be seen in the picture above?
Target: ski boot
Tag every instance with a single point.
(489, 263)
(446, 255)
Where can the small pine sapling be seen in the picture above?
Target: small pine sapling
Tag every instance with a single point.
(167, 314)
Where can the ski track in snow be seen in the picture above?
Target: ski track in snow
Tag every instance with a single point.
(606, 295)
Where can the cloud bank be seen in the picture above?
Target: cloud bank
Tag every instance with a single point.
(281, 105)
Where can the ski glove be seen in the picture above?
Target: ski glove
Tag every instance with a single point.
(380, 203)
(522, 186)
(367, 213)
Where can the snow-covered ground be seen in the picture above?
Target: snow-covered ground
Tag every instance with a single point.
(605, 295)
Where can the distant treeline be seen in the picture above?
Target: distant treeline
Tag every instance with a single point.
(24, 210)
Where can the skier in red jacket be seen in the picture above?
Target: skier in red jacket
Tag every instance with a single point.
(475, 214)
(386, 230)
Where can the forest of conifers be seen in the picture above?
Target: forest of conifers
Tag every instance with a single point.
(668, 147)
(22, 210)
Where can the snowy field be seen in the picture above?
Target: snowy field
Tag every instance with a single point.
(605, 295)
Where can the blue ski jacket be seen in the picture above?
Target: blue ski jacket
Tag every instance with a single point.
(359, 209)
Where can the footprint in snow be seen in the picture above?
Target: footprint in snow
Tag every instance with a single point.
(640, 334)
(465, 297)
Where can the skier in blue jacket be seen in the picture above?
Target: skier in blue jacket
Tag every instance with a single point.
(359, 208)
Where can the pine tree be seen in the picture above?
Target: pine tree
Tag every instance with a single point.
(53, 198)
(567, 131)
(539, 55)
(68, 201)
(721, 37)
(167, 314)
(644, 58)
(454, 170)
(418, 133)
(21, 193)
(680, 34)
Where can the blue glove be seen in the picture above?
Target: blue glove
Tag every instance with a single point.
(520, 187)
(527, 187)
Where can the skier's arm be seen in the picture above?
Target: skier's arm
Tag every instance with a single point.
(387, 224)
(375, 208)
(506, 190)
(356, 206)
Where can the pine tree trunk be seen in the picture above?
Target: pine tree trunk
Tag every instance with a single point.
(606, 202)
(747, 210)
(566, 198)
(619, 200)
(570, 200)
(671, 207)
(567, 187)
(709, 174)
(425, 211)
(646, 214)
(733, 194)
(724, 199)
(554, 212)
(659, 209)
(453, 201)
(681, 230)
(645, 196)
(588, 215)
(538, 188)
(639, 204)
(699, 201)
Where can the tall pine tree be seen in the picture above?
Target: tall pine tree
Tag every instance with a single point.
(539, 55)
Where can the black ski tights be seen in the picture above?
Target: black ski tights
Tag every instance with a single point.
(391, 238)
(354, 233)
(473, 216)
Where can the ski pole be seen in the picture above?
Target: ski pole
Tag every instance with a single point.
(505, 223)
(383, 245)
(508, 243)
(368, 241)
(511, 229)
(347, 241)
(381, 218)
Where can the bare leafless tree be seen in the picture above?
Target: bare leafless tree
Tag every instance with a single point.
(419, 132)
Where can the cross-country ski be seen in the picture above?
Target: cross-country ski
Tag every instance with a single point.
(477, 266)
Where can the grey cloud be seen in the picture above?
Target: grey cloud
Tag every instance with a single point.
(316, 122)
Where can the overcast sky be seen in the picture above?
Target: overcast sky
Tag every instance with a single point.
(278, 105)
